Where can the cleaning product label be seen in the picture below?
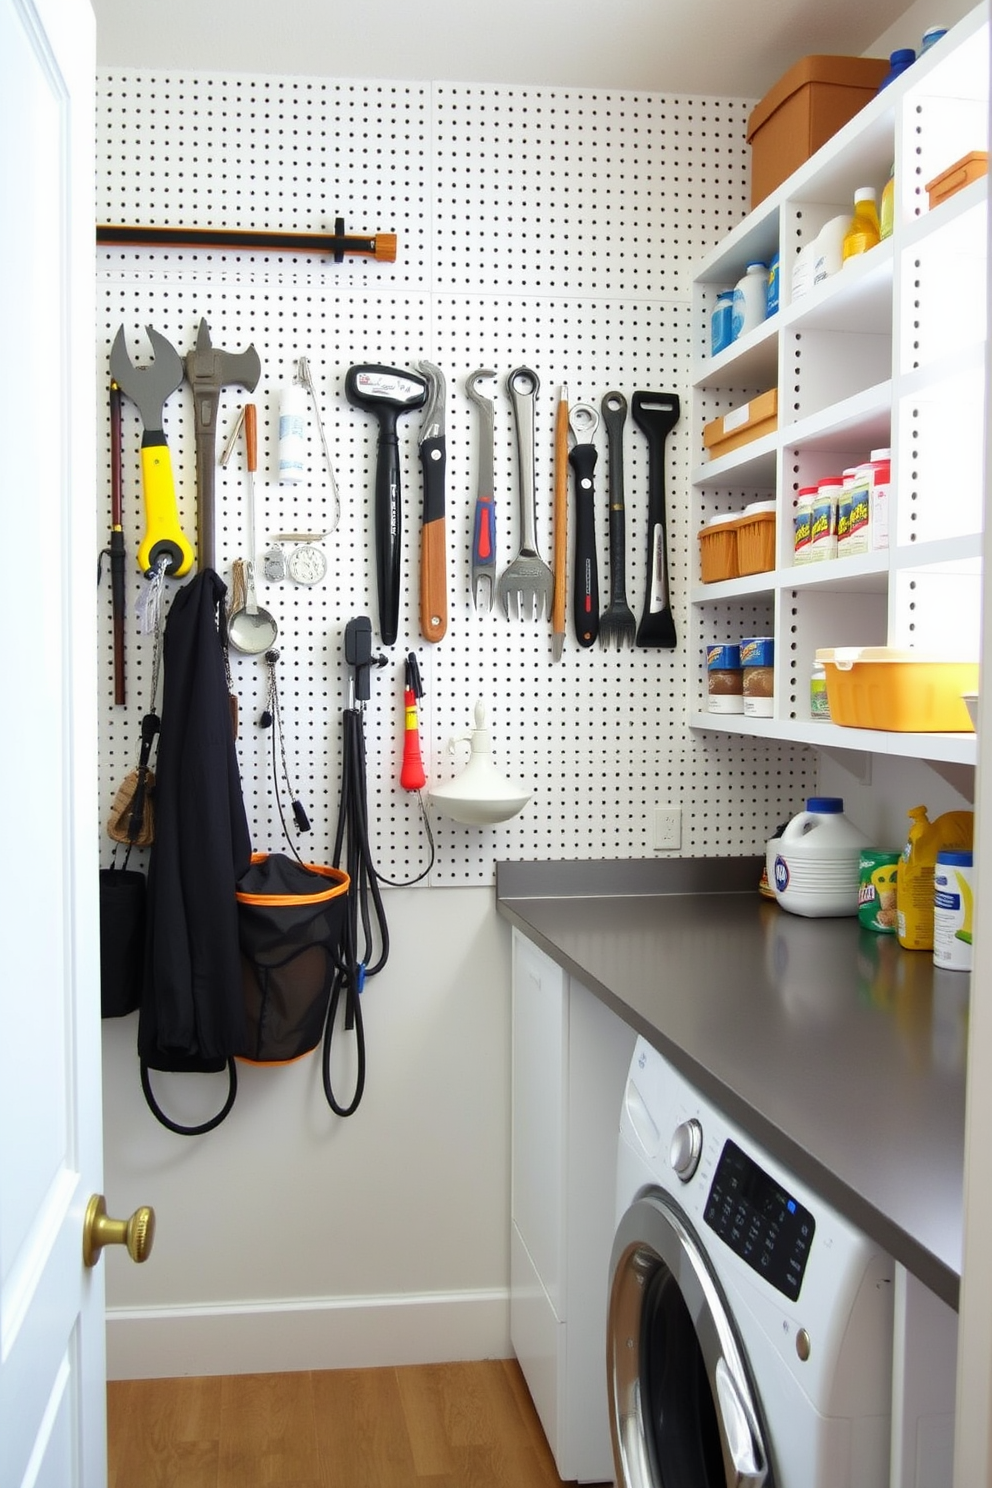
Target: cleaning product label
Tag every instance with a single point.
(914, 887)
(914, 915)
(859, 525)
(877, 891)
(952, 911)
(803, 521)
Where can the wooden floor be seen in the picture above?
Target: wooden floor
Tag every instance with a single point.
(425, 1426)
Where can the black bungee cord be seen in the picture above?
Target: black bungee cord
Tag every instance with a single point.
(365, 920)
(351, 843)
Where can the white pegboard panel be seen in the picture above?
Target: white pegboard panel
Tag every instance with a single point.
(265, 153)
(582, 193)
(547, 228)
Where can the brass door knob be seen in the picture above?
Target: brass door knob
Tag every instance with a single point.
(137, 1233)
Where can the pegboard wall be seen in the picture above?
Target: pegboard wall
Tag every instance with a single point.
(552, 228)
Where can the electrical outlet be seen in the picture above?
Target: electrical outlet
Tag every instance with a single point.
(667, 828)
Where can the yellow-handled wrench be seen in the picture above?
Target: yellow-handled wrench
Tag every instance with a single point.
(149, 388)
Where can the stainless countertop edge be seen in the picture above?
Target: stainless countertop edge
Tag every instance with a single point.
(900, 1244)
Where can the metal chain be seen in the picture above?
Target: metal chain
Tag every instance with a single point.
(150, 607)
(271, 657)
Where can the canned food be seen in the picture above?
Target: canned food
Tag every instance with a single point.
(877, 890)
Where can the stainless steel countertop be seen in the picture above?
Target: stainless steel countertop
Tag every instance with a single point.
(841, 1053)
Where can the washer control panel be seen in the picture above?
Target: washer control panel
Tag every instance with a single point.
(761, 1223)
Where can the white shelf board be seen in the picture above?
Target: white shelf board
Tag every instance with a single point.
(960, 749)
(955, 553)
(865, 417)
(864, 573)
(750, 467)
(858, 298)
(944, 377)
(751, 361)
(948, 216)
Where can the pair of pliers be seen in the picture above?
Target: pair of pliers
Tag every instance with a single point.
(433, 576)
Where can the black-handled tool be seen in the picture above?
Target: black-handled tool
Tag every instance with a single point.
(583, 420)
(617, 622)
(386, 392)
(656, 414)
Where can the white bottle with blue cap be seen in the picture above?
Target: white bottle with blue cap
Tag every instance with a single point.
(750, 299)
(814, 867)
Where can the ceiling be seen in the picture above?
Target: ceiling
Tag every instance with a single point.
(710, 47)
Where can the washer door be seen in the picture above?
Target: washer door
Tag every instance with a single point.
(683, 1411)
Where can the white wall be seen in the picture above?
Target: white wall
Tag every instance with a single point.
(908, 30)
(286, 1204)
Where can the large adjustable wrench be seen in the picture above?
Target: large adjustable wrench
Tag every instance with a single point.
(207, 371)
(149, 387)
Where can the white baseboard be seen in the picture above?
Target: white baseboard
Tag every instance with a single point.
(313, 1333)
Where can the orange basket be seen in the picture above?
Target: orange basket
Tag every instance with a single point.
(756, 541)
(718, 556)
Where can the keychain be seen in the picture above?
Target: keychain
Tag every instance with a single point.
(306, 564)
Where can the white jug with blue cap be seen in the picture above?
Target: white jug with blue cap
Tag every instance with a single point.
(814, 867)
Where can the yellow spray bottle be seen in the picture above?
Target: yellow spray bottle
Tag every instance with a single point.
(914, 884)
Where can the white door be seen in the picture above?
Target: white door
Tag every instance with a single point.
(52, 1412)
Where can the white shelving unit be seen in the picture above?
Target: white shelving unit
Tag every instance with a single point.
(888, 352)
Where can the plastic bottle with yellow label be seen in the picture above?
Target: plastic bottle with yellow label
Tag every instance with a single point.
(864, 232)
(914, 883)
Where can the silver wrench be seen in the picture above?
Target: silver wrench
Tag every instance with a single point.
(528, 579)
(484, 519)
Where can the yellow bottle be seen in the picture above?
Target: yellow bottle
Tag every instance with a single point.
(914, 883)
(886, 214)
(864, 231)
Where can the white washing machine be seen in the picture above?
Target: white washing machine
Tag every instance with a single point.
(750, 1326)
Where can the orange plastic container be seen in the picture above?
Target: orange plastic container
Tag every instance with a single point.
(881, 687)
(718, 551)
(742, 425)
(957, 176)
(756, 541)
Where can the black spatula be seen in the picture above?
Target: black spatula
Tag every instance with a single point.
(656, 414)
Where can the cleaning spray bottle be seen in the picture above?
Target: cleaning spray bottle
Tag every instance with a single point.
(914, 884)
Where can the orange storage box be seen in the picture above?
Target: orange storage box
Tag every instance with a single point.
(756, 538)
(742, 425)
(880, 687)
(810, 103)
(957, 176)
(718, 549)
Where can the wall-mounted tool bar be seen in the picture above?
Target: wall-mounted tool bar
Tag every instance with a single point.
(380, 246)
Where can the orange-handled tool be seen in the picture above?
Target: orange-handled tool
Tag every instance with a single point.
(433, 542)
(251, 460)
(560, 525)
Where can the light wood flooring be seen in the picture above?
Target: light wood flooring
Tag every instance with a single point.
(424, 1426)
